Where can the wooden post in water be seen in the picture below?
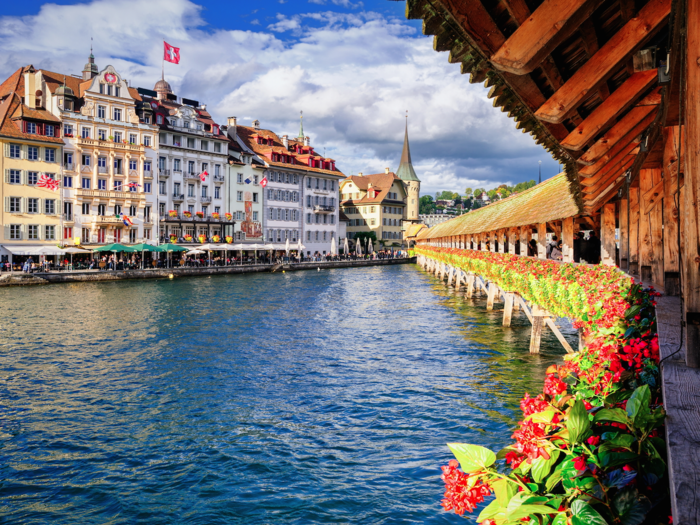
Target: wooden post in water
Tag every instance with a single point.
(508, 309)
(493, 289)
(470, 285)
(537, 325)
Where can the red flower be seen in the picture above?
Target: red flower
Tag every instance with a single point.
(580, 463)
(554, 386)
(458, 496)
(593, 440)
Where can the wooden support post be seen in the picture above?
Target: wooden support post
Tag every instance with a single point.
(691, 225)
(568, 239)
(508, 309)
(492, 290)
(537, 325)
(634, 231)
(525, 308)
(512, 239)
(523, 234)
(542, 240)
(646, 183)
(450, 273)
(493, 242)
(549, 322)
(458, 279)
(607, 235)
(624, 235)
(657, 232)
(673, 209)
(501, 242)
(470, 285)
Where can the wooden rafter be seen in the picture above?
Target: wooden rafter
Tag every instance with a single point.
(622, 148)
(632, 36)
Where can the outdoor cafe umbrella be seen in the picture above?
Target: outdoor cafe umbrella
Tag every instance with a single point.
(286, 246)
(255, 248)
(168, 248)
(358, 247)
(300, 249)
(209, 247)
(143, 247)
(115, 247)
(370, 248)
(72, 250)
(334, 249)
(347, 248)
(240, 246)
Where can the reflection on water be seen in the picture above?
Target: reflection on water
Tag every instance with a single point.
(309, 397)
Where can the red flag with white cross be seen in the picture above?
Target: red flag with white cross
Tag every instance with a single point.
(171, 53)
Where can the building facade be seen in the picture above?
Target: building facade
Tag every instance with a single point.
(30, 138)
(108, 158)
(192, 165)
(301, 196)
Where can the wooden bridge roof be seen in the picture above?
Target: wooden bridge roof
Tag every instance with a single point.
(549, 201)
(564, 71)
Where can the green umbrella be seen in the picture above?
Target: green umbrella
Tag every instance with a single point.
(168, 247)
(116, 247)
(143, 248)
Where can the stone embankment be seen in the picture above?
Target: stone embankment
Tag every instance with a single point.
(18, 279)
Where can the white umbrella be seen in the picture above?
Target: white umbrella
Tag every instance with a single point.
(286, 246)
(195, 252)
(240, 247)
(300, 249)
(209, 247)
(334, 249)
(358, 248)
(255, 248)
(72, 250)
(347, 247)
(370, 248)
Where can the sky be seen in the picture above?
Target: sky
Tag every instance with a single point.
(353, 67)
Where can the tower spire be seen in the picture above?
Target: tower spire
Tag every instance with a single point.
(406, 171)
(301, 125)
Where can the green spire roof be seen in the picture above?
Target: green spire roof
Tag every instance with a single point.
(405, 171)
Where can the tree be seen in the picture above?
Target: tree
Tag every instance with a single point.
(493, 195)
(468, 192)
(455, 196)
(477, 193)
(426, 205)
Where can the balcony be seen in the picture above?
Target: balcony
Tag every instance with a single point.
(191, 175)
(177, 172)
(219, 178)
(105, 220)
(68, 217)
(147, 174)
(69, 166)
(205, 200)
(164, 173)
(106, 194)
(136, 148)
(322, 208)
(178, 197)
(118, 172)
(101, 169)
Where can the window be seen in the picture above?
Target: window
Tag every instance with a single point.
(163, 139)
(50, 154)
(159, 119)
(217, 169)
(161, 188)
(147, 187)
(205, 166)
(117, 136)
(255, 179)
(15, 231)
(85, 208)
(133, 165)
(190, 190)
(85, 132)
(101, 111)
(116, 91)
(217, 192)
(255, 215)
(176, 165)
(32, 232)
(205, 210)
(132, 188)
(117, 209)
(147, 142)
(86, 160)
(147, 166)
(204, 145)
(49, 130)
(49, 206)
(176, 188)
(217, 147)
(190, 143)
(67, 130)
(190, 167)
(147, 233)
(102, 209)
(132, 211)
(102, 163)
(85, 183)
(204, 191)
(117, 185)
(133, 138)
(50, 233)
(15, 150)
(32, 153)
(31, 128)
(239, 178)
(161, 163)
(308, 236)
(102, 134)
(15, 204)
(255, 197)
(67, 182)
(32, 205)
(239, 196)
(117, 115)
(15, 177)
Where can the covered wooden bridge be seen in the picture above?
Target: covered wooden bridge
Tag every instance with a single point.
(611, 88)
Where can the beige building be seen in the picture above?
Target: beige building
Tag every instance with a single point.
(374, 203)
(31, 150)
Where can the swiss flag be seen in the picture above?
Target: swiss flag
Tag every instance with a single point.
(263, 182)
(203, 176)
(172, 54)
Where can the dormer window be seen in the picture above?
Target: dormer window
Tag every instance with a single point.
(186, 124)
(159, 119)
(116, 91)
(31, 128)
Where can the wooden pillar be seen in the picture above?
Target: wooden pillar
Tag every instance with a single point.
(624, 235)
(470, 285)
(493, 289)
(508, 309)
(537, 324)
(493, 240)
(607, 235)
(657, 232)
(691, 226)
(523, 234)
(634, 231)
(501, 242)
(567, 241)
(646, 184)
(542, 240)
(673, 209)
(512, 239)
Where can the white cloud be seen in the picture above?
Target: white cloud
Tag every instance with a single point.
(353, 75)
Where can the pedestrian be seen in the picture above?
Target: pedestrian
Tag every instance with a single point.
(578, 246)
(532, 248)
(556, 253)
(550, 245)
(593, 248)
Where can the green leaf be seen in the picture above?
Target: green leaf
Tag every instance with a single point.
(584, 514)
(553, 479)
(559, 519)
(632, 311)
(524, 511)
(613, 459)
(630, 332)
(489, 511)
(631, 507)
(504, 491)
(611, 414)
(541, 466)
(472, 457)
(638, 404)
(578, 423)
(501, 454)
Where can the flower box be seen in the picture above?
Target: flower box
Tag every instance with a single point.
(172, 213)
(199, 214)
(229, 239)
(188, 238)
(229, 216)
(187, 214)
(216, 238)
(215, 215)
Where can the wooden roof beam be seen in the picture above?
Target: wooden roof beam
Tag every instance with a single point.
(614, 155)
(632, 124)
(594, 72)
(622, 98)
(613, 178)
(551, 23)
(590, 42)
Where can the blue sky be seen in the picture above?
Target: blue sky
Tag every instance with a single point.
(354, 67)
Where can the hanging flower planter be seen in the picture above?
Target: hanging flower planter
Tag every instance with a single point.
(216, 238)
(199, 214)
(202, 238)
(188, 238)
(187, 214)
(172, 213)
(229, 239)
(229, 216)
(215, 215)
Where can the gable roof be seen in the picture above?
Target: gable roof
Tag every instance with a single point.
(548, 201)
(11, 106)
(381, 182)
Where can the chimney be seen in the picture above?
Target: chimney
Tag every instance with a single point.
(30, 87)
(231, 131)
(359, 174)
(386, 170)
(285, 141)
(203, 107)
(307, 141)
(256, 124)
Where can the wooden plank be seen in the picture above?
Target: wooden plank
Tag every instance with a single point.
(542, 240)
(627, 40)
(550, 323)
(633, 123)
(551, 23)
(607, 235)
(613, 156)
(653, 196)
(657, 231)
(512, 239)
(536, 334)
(634, 231)
(525, 307)
(606, 177)
(618, 102)
(507, 309)
(470, 285)
(567, 238)
(624, 233)
(672, 207)
(524, 233)
(646, 182)
(491, 295)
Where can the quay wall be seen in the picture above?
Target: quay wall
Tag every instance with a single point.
(164, 273)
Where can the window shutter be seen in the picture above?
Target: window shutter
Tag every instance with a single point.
(21, 232)
(25, 177)
(7, 149)
(7, 204)
(7, 176)
(41, 205)
(24, 151)
(7, 232)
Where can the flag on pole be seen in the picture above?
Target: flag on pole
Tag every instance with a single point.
(126, 220)
(203, 175)
(171, 53)
(47, 181)
(263, 182)
(132, 186)
(248, 181)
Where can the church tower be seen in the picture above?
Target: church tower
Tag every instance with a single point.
(411, 182)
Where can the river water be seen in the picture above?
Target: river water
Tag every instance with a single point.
(307, 397)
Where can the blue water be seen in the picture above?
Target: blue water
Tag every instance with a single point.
(308, 397)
